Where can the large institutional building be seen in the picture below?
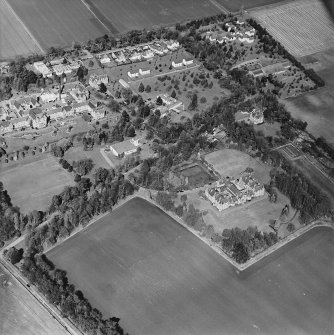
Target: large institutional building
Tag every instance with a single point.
(229, 192)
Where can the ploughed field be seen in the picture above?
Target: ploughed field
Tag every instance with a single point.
(303, 27)
(58, 23)
(139, 264)
(14, 39)
(235, 5)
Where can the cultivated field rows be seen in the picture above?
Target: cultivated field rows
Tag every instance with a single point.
(303, 27)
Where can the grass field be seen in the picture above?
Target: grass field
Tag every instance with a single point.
(14, 39)
(229, 162)
(31, 186)
(317, 107)
(58, 23)
(303, 27)
(141, 265)
(127, 15)
(258, 212)
(20, 313)
(235, 5)
(77, 153)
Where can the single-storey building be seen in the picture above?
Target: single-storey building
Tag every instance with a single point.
(126, 147)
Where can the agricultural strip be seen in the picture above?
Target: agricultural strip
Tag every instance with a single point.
(14, 38)
(20, 313)
(141, 265)
(128, 15)
(58, 23)
(303, 27)
(31, 186)
(235, 5)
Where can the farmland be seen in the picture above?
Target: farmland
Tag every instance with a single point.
(139, 264)
(131, 14)
(20, 313)
(316, 107)
(58, 23)
(302, 27)
(31, 186)
(14, 38)
(235, 5)
(230, 163)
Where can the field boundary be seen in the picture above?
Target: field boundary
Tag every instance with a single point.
(5, 2)
(259, 256)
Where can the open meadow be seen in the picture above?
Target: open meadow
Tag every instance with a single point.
(58, 23)
(20, 313)
(235, 5)
(230, 163)
(303, 27)
(32, 185)
(128, 15)
(14, 38)
(317, 107)
(139, 264)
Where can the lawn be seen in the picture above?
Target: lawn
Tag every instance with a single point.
(58, 23)
(31, 186)
(77, 153)
(258, 212)
(14, 39)
(142, 266)
(229, 162)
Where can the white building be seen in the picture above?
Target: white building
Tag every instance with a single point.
(133, 74)
(95, 80)
(126, 147)
(48, 96)
(43, 69)
(187, 61)
(144, 71)
(104, 59)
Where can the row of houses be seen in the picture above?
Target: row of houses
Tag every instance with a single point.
(230, 192)
(58, 67)
(38, 117)
(139, 53)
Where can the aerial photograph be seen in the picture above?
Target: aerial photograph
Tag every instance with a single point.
(166, 167)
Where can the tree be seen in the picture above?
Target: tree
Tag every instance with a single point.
(173, 95)
(194, 102)
(84, 166)
(148, 89)
(159, 101)
(141, 88)
(14, 255)
(102, 88)
(240, 253)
